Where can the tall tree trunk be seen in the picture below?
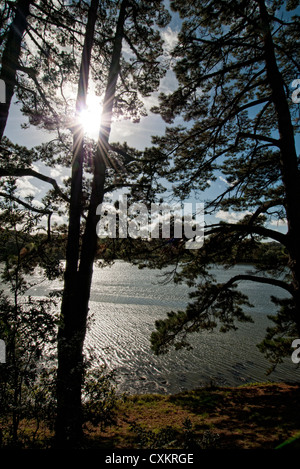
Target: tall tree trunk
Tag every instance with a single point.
(76, 297)
(68, 424)
(289, 164)
(10, 57)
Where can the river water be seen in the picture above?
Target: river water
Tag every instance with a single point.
(126, 301)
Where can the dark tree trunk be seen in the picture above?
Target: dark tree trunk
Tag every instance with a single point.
(10, 58)
(78, 283)
(289, 164)
(68, 424)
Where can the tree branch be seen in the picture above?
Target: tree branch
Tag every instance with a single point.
(265, 207)
(20, 172)
(256, 229)
(32, 74)
(268, 280)
(25, 204)
(229, 68)
(34, 209)
(259, 137)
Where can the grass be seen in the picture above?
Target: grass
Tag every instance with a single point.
(257, 416)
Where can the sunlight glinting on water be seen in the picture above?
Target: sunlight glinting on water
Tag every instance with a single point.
(126, 301)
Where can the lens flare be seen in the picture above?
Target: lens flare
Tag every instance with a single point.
(90, 117)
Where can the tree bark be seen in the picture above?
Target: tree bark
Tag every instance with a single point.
(10, 58)
(76, 296)
(289, 165)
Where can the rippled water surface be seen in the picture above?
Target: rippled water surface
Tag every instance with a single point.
(126, 301)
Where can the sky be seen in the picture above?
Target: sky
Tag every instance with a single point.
(136, 135)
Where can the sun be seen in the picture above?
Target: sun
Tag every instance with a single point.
(90, 117)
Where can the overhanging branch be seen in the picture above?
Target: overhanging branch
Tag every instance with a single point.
(25, 204)
(21, 172)
(254, 278)
(42, 211)
(263, 138)
(265, 207)
(249, 229)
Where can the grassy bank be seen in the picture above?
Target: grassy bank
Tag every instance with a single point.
(247, 417)
(257, 416)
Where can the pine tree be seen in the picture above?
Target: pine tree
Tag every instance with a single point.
(71, 45)
(235, 63)
(133, 24)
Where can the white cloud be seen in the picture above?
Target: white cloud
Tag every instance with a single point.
(58, 219)
(122, 129)
(231, 217)
(38, 204)
(169, 83)
(25, 188)
(54, 173)
(282, 222)
(170, 38)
